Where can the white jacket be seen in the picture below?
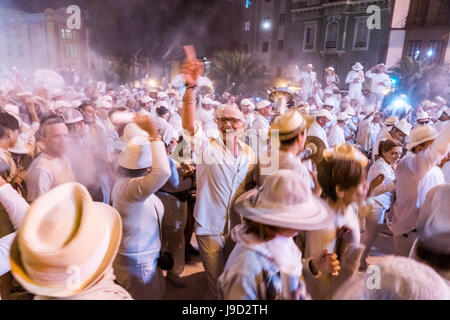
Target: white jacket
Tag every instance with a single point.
(315, 130)
(409, 173)
(382, 194)
(380, 81)
(336, 136)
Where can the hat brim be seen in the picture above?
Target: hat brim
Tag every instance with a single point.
(312, 215)
(114, 224)
(410, 146)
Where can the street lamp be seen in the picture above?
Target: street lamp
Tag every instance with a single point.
(430, 53)
(266, 25)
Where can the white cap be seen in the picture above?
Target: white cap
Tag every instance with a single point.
(146, 99)
(61, 104)
(11, 109)
(161, 95)
(72, 116)
(103, 104)
(207, 101)
(262, 104)
(326, 114)
(343, 116)
(422, 115)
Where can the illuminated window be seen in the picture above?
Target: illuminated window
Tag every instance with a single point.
(434, 52)
(67, 34)
(247, 26)
(413, 48)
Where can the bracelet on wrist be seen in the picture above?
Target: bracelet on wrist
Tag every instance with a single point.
(191, 87)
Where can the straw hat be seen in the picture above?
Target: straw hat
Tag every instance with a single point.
(19, 147)
(440, 99)
(61, 104)
(403, 126)
(330, 68)
(103, 104)
(345, 151)
(161, 95)
(400, 278)
(65, 231)
(12, 109)
(137, 154)
(357, 66)
(420, 135)
(285, 200)
(289, 124)
(391, 121)
(433, 226)
(262, 104)
(71, 116)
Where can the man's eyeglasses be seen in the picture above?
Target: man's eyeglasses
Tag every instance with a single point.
(233, 121)
(423, 122)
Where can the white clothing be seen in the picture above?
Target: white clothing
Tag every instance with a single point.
(249, 119)
(315, 130)
(45, 173)
(309, 79)
(259, 270)
(433, 178)
(446, 171)
(383, 194)
(260, 130)
(176, 122)
(354, 88)
(409, 173)
(5, 246)
(380, 81)
(336, 136)
(221, 178)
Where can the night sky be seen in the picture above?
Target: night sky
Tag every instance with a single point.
(158, 28)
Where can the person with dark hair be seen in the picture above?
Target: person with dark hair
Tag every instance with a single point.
(9, 133)
(342, 177)
(51, 168)
(390, 153)
(416, 174)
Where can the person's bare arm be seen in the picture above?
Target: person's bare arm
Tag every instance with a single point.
(191, 69)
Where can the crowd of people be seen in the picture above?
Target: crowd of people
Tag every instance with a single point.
(103, 187)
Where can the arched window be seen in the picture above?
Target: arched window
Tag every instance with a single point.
(332, 32)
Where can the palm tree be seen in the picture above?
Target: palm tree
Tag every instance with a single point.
(420, 78)
(238, 73)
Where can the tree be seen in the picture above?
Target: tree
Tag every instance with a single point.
(421, 79)
(239, 73)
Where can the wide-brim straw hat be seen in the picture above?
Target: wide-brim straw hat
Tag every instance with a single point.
(357, 66)
(346, 151)
(20, 147)
(290, 124)
(285, 200)
(137, 154)
(391, 121)
(420, 135)
(400, 278)
(404, 126)
(66, 242)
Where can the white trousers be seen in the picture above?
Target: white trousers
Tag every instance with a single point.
(214, 251)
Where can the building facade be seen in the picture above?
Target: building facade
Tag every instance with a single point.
(42, 40)
(321, 32)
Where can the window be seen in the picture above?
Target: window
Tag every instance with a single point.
(413, 48)
(361, 38)
(247, 26)
(67, 34)
(434, 51)
(245, 47)
(71, 51)
(309, 40)
(282, 19)
(280, 45)
(332, 32)
(265, 46)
